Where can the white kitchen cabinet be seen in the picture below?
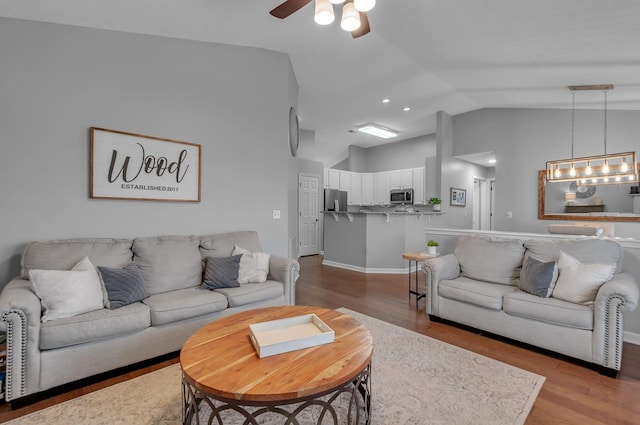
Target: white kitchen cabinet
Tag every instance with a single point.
(367, 189)
(355, 193)
(419, 196)
(381, 188)
(401, 179)
(332, 179)
(345, 181)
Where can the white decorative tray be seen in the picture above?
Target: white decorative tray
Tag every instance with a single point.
(293, 333)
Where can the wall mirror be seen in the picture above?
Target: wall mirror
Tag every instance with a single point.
(596, 203)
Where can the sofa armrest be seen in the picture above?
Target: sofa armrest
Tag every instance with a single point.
(287, 271)
(616, 296)
(20, 312)
(437, 269)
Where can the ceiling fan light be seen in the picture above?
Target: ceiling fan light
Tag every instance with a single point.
(350, 18)
(364, 5)
(324, 12)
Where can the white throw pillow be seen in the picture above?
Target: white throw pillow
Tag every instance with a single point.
(254, 266)
(67, 293)
(579, 283)
(86, 265)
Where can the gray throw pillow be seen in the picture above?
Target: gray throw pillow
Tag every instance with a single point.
(123, 286)
(221, 272)
(537, 277)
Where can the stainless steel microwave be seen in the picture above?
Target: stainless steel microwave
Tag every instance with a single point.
(402, 196)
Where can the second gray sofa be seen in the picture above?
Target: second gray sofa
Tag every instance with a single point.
(498, 285)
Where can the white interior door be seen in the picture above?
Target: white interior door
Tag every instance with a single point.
(475, 217)
(309, 222)
(482, 204)
(492, 207)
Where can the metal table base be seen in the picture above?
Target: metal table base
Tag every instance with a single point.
(328, 406)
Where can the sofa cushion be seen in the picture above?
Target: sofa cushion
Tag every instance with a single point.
(585, 250)
(538, 278)
(490, 259)
(63, 254)
(184, 304)
(254, 266)
(123, 286)
(221, 272)
(168, 263)
(249, 293)
(548, 310)
(222, 245)
(579, 283)
(66, 293)
(470, 291)
(94, 326)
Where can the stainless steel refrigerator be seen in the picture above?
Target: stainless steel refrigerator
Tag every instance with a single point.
(335, 200)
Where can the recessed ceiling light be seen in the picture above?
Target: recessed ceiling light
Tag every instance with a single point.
(378, 131)
(406, 108)
(492, 161)
(385, 100)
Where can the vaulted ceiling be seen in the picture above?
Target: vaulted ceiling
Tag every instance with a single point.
(430, 55)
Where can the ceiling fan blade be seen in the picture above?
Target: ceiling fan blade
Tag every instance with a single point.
(289, 7)
(364, 26)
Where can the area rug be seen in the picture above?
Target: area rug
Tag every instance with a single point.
(415, 380)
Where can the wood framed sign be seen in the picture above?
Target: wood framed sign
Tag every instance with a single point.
(133, 166)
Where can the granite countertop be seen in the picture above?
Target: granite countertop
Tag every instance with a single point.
(417, 212)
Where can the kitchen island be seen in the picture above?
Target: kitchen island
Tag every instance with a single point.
(373, 241)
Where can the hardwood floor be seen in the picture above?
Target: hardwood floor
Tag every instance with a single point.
(572, 393)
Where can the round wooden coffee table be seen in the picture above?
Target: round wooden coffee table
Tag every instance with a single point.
(221, 369)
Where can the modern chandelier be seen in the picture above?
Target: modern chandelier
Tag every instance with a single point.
(350, 12)
(618, 168)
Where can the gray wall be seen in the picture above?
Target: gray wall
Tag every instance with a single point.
(57, 81)
(409, 153)
(524, 139)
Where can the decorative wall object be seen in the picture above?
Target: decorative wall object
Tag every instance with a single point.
(458, 197)
(133, 166)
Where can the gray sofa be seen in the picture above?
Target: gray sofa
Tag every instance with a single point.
(498, 285)
(43, 355)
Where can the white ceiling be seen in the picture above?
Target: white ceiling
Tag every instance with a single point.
(431, 55)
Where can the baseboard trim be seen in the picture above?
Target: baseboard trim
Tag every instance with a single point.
(631, 337)
(365, 269)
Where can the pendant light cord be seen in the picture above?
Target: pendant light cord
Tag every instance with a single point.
(573, 119)
(605, 122)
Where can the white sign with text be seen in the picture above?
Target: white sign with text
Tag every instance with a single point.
(132, 166)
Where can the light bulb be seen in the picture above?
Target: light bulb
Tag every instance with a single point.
(350, 18)
(324, 12)
(605, 167)
(557, 172)
(594, 180)
(587, 171)
(364, 5)
(632, 177)
(618, 178)
(583, 181)
(606, 180)
(624, 167)
(572, 171)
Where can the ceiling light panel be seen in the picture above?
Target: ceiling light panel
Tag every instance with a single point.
(378, 131)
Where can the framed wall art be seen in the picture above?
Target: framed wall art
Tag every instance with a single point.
(133, 166)
(458, 197)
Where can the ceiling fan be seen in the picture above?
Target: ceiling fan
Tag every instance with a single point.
(354, 16)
